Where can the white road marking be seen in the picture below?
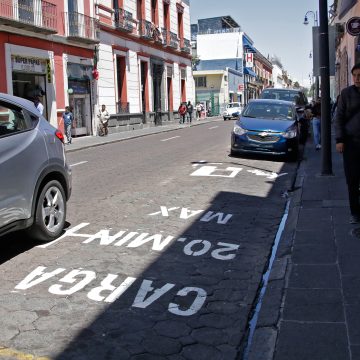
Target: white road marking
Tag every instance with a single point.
(79, 163)
(210, 171)
(214, 127)
(69, 232)
(268, 175)
(174, 137)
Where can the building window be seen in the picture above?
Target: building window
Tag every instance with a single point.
(154, 12)
(122, 104)
(225, 78)
(200, 81)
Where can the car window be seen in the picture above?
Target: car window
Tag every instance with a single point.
(13, 119)
(269, 111)
(296, 97)
(232, 105)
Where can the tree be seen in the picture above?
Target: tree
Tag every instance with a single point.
(296, 85)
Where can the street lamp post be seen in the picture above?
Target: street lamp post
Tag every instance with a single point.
(316, 24)
(326, 163)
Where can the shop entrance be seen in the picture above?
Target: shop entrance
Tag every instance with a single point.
(29, 86)
(80, 106)
(80, 97)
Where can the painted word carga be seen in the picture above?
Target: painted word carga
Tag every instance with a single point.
(107, 292)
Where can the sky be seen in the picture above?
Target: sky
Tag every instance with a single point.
(276, 27)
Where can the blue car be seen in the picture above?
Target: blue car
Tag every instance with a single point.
(267, 127)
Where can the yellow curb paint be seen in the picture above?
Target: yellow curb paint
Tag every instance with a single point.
(18, 355)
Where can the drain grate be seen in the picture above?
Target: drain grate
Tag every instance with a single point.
(356, 232)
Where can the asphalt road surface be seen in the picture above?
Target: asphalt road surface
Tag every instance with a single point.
(167, 240)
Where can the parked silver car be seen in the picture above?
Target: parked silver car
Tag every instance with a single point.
(35, 180)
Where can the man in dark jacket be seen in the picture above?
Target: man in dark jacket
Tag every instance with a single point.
(347, 128)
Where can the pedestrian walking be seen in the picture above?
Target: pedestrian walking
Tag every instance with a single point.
(304, 122)
(316, 123)
(68, 119)
(104, 117)
(198, 110)
(347, 130)
(182, 112)
(190, 110)
(39, 106)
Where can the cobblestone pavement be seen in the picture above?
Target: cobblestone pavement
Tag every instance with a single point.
(167, 242)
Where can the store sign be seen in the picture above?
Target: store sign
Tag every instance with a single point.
(27, 64)
(79, 87)
(48, 71)
(241, 87)
(249, 60)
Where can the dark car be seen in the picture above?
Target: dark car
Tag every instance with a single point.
(267, 127)
(297, 96)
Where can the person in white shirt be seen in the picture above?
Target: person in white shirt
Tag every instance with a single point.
(39, 106)
(104, 117)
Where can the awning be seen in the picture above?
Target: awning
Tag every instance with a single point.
(247, 45)
(248, 71)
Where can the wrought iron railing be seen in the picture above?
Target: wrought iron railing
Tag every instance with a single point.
(173, 40)
(165, 36)
(123, 20)
(40, 13)
(185, 46)
(82, 26)
(122, 107)
(145, 29)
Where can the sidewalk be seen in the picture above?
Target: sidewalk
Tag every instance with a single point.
(84, 142)
(311, 308)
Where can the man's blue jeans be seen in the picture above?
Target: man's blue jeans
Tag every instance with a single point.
(316, 125)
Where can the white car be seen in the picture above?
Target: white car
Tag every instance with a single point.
(232, 110)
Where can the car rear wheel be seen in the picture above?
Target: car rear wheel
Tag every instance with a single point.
(50, 212)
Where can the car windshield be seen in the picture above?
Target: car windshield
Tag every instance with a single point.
(268, 111)
(232, 105)
(282, 95)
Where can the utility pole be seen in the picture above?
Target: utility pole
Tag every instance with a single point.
(326, 162)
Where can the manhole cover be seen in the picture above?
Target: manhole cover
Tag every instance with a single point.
(356, 232)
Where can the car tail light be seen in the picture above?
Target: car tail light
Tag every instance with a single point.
(59, 135)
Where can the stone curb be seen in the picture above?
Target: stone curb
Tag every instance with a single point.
(266, 332)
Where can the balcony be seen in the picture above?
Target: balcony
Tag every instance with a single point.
(165, 36)
(82, 28)
(185, 46)
(123, 20)
(146, 29)
(33, 15)
(173, 40)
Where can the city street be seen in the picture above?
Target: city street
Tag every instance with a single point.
(167, 241)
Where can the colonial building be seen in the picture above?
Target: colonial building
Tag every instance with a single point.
(47, 50)
(277, 73)
(131, 55)
(347, 43)
(144, 60)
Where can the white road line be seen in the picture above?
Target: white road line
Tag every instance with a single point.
(214, 127)
(174, 137)
(69, 232)
(79, 163)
